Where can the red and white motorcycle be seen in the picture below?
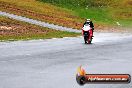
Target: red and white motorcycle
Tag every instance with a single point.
(87, 33)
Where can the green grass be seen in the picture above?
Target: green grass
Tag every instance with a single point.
(98, 15)
(105, 12)
(82, 3)
(106, 16)
(26, 31)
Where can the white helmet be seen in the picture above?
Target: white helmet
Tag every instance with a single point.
(88, 20)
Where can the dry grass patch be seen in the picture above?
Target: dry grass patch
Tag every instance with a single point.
(16, 30)
(41, 11)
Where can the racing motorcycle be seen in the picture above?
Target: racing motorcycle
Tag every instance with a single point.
(87, 33)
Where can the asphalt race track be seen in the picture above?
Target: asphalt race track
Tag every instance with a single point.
(53, 63)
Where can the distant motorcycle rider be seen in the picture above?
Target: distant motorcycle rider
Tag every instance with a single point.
(88, 21)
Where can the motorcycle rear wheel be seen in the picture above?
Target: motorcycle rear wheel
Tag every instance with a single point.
(90, 41)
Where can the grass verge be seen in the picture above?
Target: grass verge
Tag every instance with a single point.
(42, 11)
(15, 30)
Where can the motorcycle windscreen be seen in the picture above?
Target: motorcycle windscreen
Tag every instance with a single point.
(86, 27)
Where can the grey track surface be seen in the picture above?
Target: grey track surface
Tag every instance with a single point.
(36, 22)
(53, 63)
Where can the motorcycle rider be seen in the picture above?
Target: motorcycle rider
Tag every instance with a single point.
(88, 21)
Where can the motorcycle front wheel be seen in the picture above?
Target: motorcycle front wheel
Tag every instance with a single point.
(85, 39)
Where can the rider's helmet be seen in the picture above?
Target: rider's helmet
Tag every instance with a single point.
(88, 20)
